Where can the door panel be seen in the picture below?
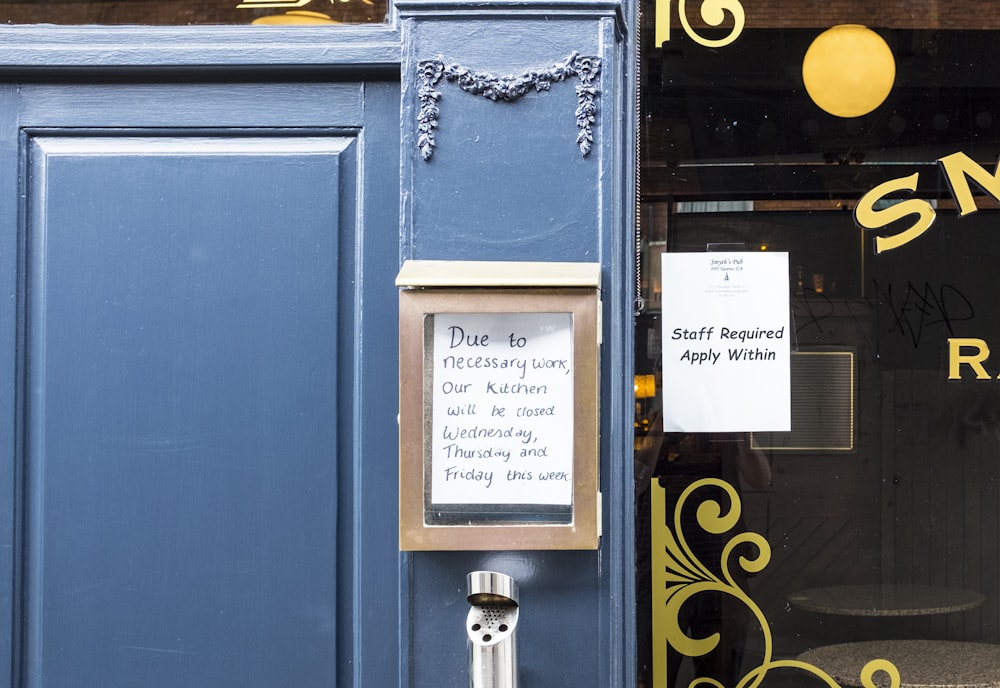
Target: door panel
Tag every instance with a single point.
(189, 420)
(181, 443)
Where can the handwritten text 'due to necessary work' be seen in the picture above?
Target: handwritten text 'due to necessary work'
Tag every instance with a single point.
(502, 408)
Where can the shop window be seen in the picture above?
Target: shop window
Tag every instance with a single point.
(193, 12)
(859, 546)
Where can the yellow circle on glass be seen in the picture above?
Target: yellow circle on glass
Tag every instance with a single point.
(848, 70)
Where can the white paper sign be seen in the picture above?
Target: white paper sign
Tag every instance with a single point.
(726, 352)
(502, 428)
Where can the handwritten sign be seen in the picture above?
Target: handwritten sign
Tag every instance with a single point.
(502, 409)
(726, 353)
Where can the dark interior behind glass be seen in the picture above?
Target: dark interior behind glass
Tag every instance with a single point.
(733, 152)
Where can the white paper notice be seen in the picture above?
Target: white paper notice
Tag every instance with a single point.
(503, 409)
(726, 352)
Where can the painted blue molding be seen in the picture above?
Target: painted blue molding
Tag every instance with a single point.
(57, 48)
(507, 89)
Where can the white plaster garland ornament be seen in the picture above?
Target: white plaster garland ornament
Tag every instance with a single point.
(507, 89)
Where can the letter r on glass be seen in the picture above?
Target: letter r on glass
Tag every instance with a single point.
(974, 360)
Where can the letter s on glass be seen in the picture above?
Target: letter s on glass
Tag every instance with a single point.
(867, 217)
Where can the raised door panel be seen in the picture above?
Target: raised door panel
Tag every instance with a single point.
(180, 435)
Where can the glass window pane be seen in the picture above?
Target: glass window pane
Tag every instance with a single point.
(860, 139)
(193, 12)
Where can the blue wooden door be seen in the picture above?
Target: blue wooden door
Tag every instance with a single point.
(190, 384)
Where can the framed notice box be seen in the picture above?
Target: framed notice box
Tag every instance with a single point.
(498, 423)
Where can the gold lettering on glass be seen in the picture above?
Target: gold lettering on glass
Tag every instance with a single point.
(253, 4)
(958, 169)
(714, 14)
(287, 4)
(957, 356)
(868, 217)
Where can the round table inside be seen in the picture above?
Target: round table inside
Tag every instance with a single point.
(886, 600)
(921, 663)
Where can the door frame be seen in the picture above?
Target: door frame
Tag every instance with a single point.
(357, 72)
(363, 54)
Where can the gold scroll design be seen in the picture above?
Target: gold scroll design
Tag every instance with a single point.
(678, 575)
(713, 12)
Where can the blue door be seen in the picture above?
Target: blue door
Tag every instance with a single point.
(189, 386)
